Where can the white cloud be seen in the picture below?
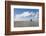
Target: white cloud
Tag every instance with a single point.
(36, 15)
(24, 14)
(35, 18)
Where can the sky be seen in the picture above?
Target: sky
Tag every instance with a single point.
(21, 14)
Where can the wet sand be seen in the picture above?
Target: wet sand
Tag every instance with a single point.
(26, 24)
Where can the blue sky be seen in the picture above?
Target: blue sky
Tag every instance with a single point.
(25, 14)
(20, 10)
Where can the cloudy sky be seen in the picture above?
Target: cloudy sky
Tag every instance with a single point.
(21, 14)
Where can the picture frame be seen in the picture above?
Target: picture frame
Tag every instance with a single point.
(10, 5)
